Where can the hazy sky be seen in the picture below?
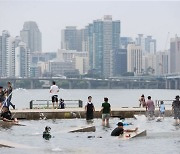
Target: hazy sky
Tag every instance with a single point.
(150, 18)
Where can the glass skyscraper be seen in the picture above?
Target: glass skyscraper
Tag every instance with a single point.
(103, 41)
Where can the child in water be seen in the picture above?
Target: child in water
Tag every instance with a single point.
(46, 133)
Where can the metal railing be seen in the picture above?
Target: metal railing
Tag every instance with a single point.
(166, 102)
(47, 104)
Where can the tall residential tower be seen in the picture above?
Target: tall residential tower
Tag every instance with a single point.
(103, 41)
(31, 35)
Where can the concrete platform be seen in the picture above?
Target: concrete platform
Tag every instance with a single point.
(69, 113)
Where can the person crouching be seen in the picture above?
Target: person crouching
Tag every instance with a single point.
(7, 116)
(120, 130)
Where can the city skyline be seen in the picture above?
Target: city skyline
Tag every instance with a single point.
(149, 18)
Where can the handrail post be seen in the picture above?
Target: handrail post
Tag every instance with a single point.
(48, 104)
(80, 103)
(31, 104)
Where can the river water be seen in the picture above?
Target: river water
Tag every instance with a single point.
(162, 137)
(117, 97)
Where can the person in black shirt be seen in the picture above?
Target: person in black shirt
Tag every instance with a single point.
(46, 133)
(7, 116)
(89, 108)
(120, 130)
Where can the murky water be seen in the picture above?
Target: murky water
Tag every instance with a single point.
(162, 137)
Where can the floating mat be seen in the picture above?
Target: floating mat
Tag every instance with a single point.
(129, 135)
(84, 129)
(4, 143)
(3, 123)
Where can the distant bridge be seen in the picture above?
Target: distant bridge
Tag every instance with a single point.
(120, 82)
(171, 81)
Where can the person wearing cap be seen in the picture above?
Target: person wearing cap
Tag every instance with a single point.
(120, 130)
(142, 101)
(2, 96)
(176, 110)
(7, 116)
(150, 107)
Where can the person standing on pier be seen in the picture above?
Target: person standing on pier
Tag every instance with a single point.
(142, 101)
(89, 108)
(176, 110)
(106, 112)
(9, 95)
(54, 91)
(150, 107)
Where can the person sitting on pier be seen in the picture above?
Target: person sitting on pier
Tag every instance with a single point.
(46, 133)
(120, 130)
(89, 108)
(61, 104)
(7, 116)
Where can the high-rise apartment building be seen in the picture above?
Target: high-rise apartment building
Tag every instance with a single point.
(147, 44)
(22, 60)
(150, 45)
(3, 53)
(10, 57)
(31, 35)
(134, 58)
(175, 55)
(71, 38)
(103, 40)
(120, 59)
(124, 41)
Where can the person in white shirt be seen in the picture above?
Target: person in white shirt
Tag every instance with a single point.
(54, 91)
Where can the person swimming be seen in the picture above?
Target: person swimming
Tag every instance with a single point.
(46, 133)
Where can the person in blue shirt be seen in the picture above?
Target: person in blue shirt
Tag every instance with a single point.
(162, 109)
(122, 119)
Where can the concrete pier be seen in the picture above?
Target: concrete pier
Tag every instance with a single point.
(34, 114)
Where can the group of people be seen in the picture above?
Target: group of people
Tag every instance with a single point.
(5, 103)
(150, 107)
(54, 91)
(105, 110)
